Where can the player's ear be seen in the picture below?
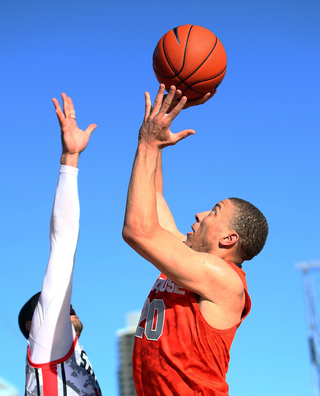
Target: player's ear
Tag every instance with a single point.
(228, 241)
(28, 325)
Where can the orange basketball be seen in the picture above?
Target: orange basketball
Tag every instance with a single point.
(192, 58)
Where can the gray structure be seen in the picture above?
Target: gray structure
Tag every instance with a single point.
(7, 389)
(125, 348)
(310, 272)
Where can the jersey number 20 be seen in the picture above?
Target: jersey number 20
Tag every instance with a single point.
(153, 313)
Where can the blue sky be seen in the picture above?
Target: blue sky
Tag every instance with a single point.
(257, 139)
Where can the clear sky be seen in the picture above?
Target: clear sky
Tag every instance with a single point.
(257, 139)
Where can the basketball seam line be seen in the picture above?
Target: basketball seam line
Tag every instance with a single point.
(191, 86)
(203, 60)
(183, 81)
(201, 81)
(184, 56)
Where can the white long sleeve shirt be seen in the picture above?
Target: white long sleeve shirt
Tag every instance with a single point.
(52, 333)
(57, 365)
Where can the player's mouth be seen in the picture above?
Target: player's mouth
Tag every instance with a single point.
(190, 232)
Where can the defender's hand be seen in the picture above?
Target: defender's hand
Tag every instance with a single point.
(74, 140)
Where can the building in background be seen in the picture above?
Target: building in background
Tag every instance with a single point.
(125, 348)
(7, 389)
(311, 284)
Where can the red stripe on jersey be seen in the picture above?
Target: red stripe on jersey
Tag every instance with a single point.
(50, 381)
(50, 372)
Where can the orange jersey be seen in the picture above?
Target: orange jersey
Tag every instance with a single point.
(176, 352)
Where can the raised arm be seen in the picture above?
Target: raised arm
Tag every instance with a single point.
(165, 217)
(141, 229)
(51, 334)
(142, 188)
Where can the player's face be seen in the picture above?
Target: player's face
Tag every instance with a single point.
(78, 326)
(210, 227)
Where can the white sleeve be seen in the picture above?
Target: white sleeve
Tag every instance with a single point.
(51, 333)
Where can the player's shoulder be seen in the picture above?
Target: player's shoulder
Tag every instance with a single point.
(224, 273)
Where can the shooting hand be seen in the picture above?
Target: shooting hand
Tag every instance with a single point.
(155, 129)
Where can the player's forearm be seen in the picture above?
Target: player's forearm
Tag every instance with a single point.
(159, 177)
(66, 209)
(141, 212)
(64, 229)
(165, 217)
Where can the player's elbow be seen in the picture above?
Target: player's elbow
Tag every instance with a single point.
(134, 235)
(126, 234)
(130, 235)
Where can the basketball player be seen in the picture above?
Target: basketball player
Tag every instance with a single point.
(56, 362)
(194, 308)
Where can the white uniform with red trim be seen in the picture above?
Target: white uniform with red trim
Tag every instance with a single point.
(57, 365)
(71, 375)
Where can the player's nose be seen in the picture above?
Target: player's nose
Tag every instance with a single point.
(201, 215)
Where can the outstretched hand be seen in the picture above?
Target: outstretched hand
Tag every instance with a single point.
(74, 140)
(155, 129)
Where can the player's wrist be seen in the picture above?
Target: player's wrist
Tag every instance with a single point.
(149, 146)
(70, 159)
